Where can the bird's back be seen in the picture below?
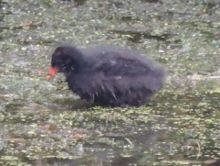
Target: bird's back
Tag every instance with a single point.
(116, 76)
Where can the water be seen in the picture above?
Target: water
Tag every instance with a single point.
(43, 123)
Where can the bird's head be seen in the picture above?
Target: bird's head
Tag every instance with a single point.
(65, 59)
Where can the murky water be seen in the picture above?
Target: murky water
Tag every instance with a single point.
(43, 123)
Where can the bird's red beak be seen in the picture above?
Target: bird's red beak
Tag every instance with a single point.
(52, 73)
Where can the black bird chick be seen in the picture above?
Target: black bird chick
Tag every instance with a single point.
(107, 75)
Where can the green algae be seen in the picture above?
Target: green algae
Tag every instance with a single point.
(43, 123)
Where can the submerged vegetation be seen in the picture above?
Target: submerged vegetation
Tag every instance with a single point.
(43, 123)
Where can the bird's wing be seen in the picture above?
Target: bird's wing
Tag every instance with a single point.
(122, 66)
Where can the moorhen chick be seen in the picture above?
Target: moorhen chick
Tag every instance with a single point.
(108, 75)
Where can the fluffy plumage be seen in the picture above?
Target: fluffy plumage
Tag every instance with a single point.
(107, 75)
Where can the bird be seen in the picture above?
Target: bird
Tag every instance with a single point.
(108, 75)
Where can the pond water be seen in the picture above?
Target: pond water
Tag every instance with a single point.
(43, 123)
